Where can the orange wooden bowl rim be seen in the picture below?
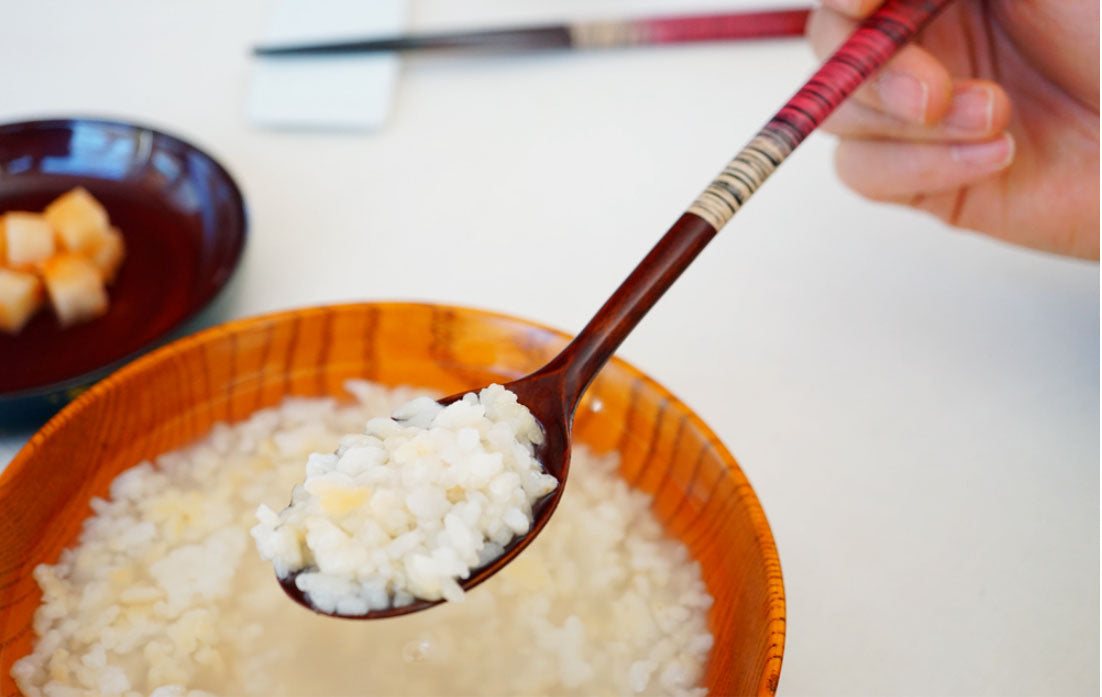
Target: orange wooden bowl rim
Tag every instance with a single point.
(150, 362)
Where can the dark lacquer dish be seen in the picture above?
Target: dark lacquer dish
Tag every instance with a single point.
(183, 220)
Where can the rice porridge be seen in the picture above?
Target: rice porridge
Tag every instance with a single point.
(164, 594)
(411, 506)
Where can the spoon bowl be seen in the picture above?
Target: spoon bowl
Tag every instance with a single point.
(552, 393)
(541, 393)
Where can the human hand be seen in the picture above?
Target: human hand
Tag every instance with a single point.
(989, 120)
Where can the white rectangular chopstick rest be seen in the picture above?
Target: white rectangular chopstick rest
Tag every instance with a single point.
(352, 92)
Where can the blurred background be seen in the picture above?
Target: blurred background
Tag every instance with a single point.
(917, 407)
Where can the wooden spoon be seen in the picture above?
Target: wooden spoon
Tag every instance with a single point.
(552, 392)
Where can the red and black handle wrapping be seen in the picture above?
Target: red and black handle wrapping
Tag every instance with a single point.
(865, 51)
(581, 35)
(869, 48)
(670, 30)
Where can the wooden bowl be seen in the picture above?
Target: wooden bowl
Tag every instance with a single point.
(183, 219)
(175, 394)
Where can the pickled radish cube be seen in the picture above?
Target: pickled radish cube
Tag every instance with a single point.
(28, 239)
(107, 254)
(81, 222)
(20, 298)
(75, 287)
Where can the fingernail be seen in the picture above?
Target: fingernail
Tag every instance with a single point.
(972, 109)
(903, 95)
(994, 154)
(850, 7)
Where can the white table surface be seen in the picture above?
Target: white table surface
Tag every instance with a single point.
(916, 407)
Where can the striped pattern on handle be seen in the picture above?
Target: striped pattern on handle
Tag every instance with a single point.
(582, 35)
(869, 48)
(668, 30)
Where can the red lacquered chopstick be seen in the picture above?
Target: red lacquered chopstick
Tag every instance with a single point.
(670, 30)
(581, 35)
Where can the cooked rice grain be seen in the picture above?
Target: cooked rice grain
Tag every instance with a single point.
(164, 596)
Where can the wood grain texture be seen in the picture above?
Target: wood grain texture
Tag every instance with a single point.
(174, 395)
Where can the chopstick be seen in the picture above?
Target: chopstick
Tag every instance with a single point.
(576, 35)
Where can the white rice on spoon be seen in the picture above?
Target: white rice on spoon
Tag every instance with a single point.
(411, 506)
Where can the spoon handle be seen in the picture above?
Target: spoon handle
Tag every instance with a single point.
(865, 51)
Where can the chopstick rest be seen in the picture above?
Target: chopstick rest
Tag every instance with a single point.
(343, 93)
